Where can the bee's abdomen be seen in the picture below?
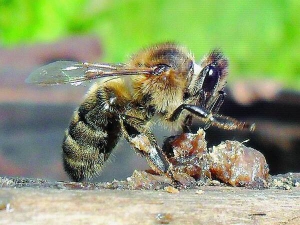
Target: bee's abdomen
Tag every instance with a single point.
(88, 144)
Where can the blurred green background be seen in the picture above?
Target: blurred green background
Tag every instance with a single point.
(261, 38)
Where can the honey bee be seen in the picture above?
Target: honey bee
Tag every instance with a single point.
(161, 84)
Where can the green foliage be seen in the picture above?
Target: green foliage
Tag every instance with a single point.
(261, 38)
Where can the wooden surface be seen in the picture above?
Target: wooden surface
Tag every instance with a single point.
(210, 205)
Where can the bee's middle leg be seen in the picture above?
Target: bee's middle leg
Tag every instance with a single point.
(143, 141)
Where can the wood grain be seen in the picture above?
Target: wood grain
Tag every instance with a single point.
(211, 205)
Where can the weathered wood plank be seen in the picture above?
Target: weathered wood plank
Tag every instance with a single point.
(215, 205)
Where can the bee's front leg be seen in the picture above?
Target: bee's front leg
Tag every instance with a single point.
(217, 120)
(143, 141)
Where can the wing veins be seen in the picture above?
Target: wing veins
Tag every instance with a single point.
(68, 72)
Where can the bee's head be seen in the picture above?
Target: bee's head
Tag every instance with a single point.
(209, 78)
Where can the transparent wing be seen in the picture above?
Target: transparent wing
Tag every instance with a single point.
(69, 72)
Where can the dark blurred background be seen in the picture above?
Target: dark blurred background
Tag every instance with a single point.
(260, 38)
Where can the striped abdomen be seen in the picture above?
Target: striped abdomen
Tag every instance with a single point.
(92, 135)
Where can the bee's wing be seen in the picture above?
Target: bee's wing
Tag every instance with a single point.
(69, 72)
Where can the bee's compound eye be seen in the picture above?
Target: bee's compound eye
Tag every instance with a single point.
(212, 76)
(160, 68)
